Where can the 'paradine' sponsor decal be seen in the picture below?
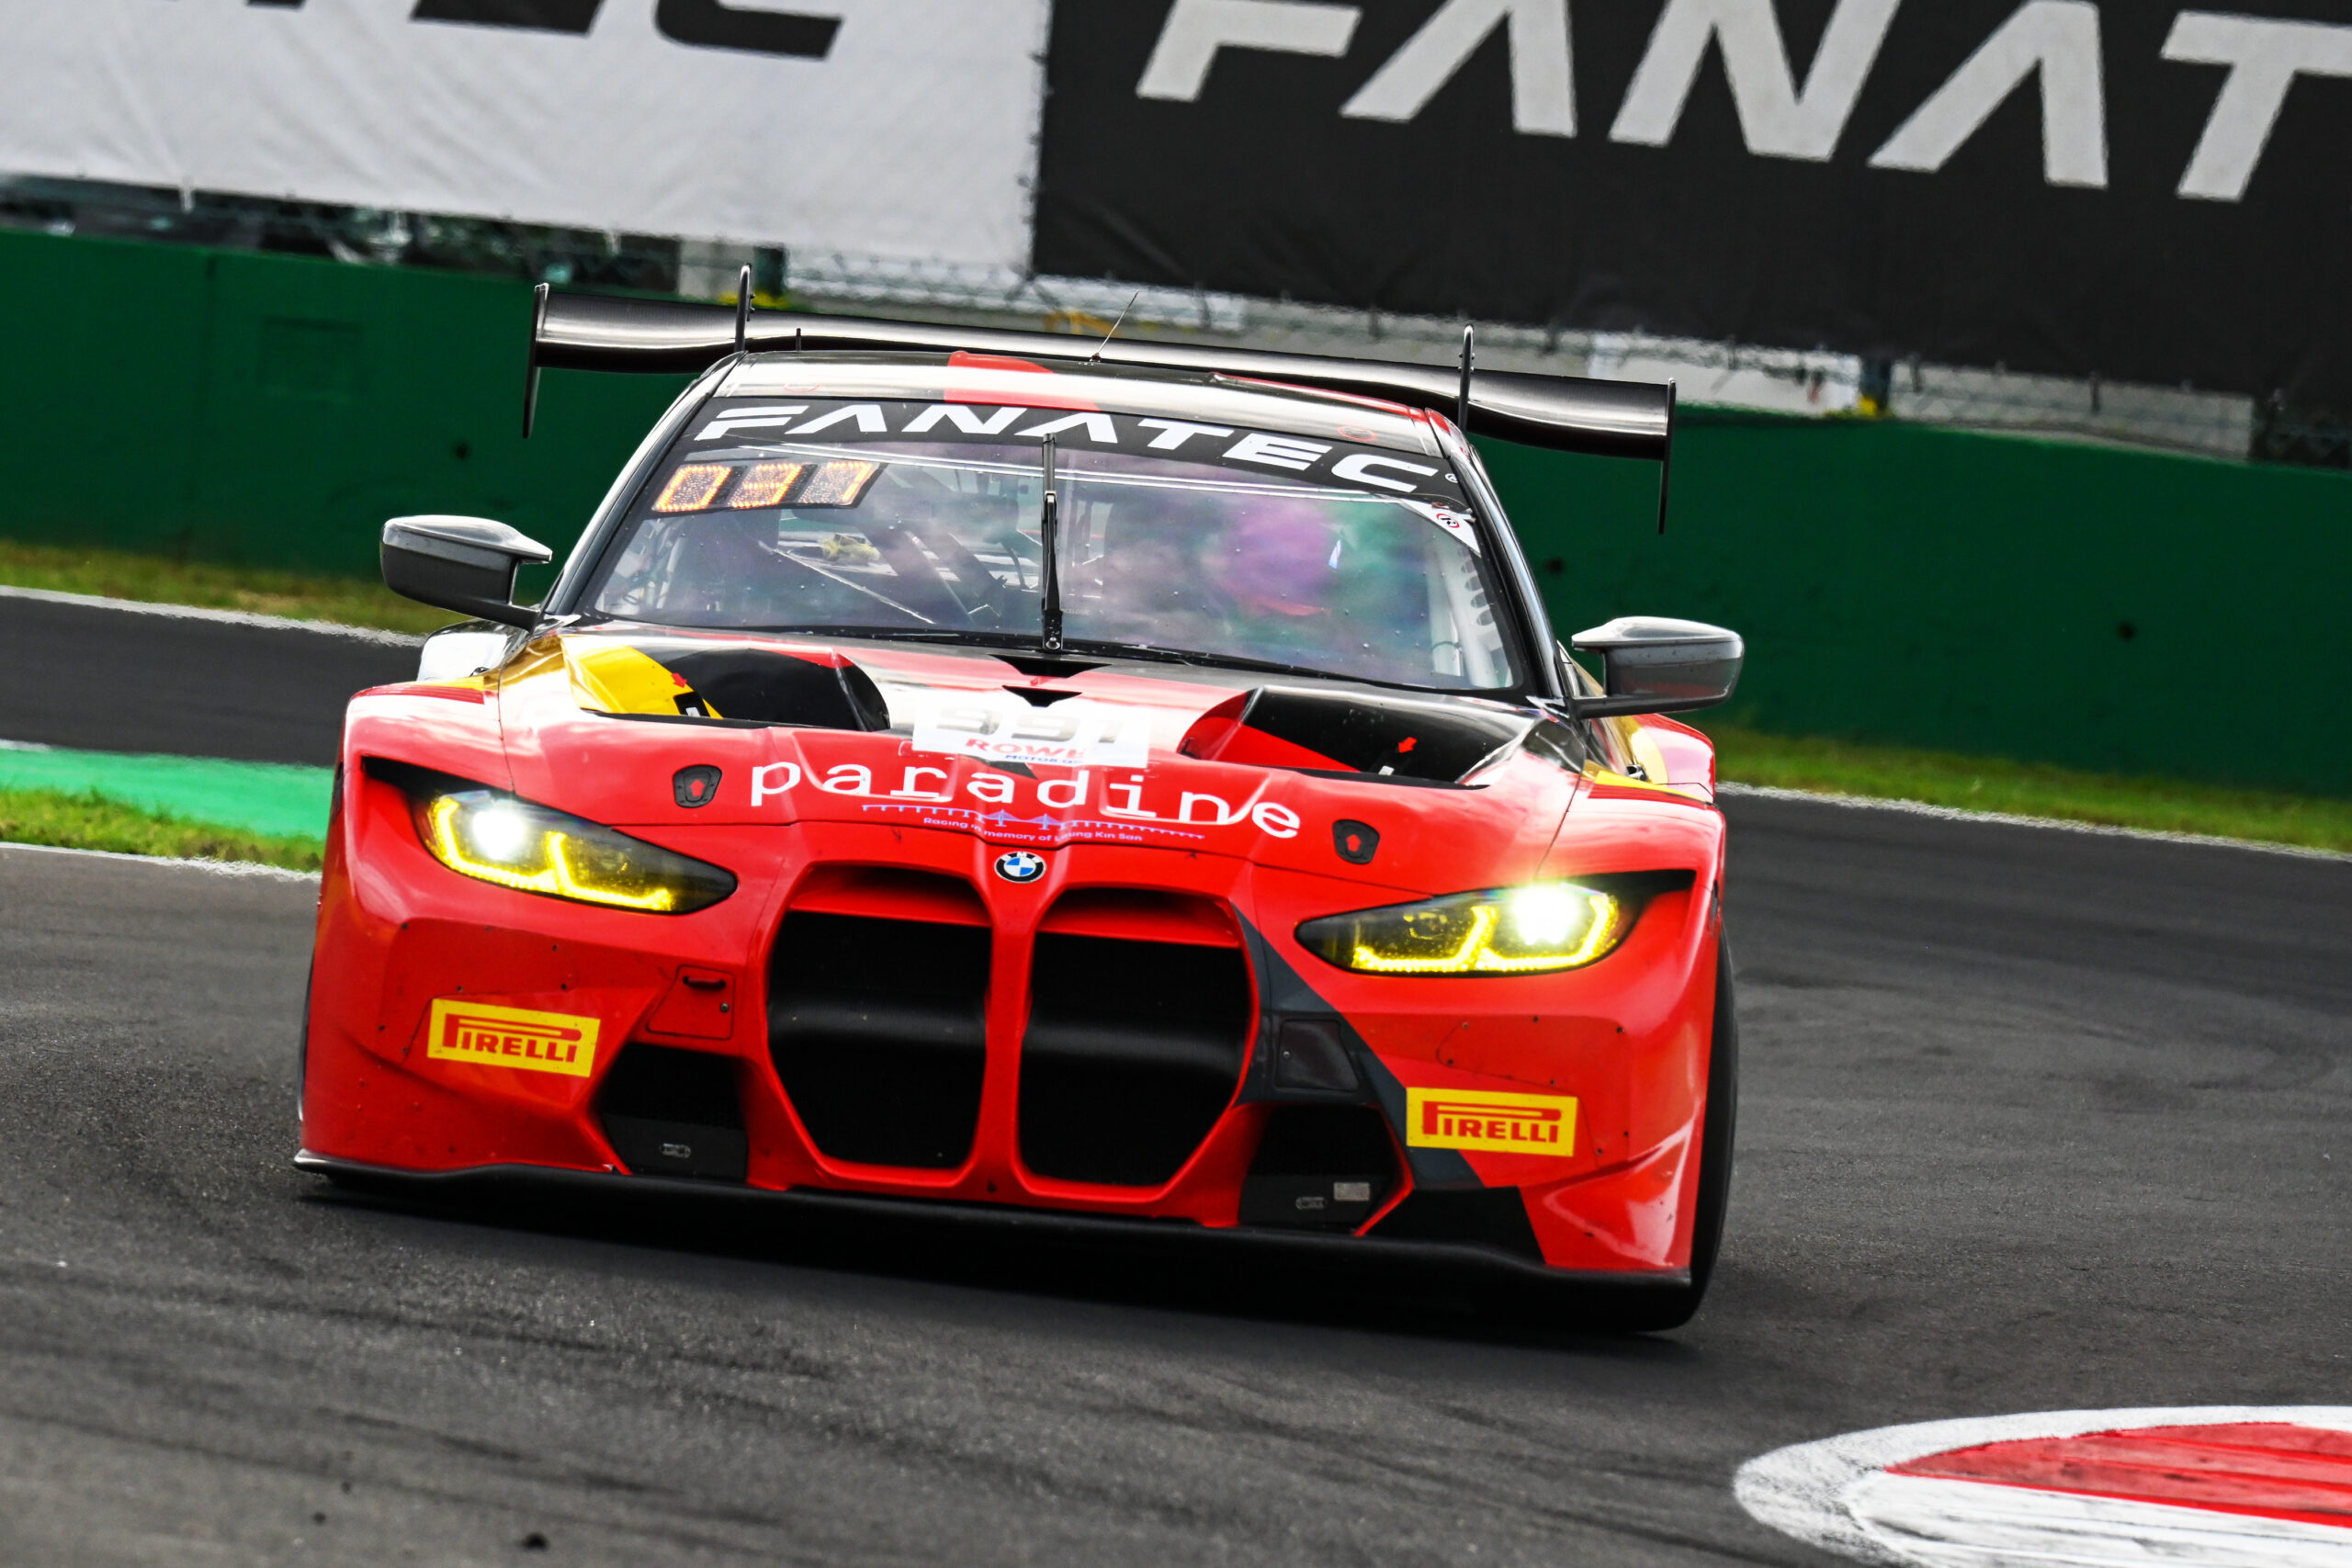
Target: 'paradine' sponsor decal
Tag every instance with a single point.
(2216, 1486)
(1494, 1124)
(1011, 808)
(512, 1037)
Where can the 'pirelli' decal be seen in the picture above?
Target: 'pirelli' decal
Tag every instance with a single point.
(512, 1037)
(1495, 1124)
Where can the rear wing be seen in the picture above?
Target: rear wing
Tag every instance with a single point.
(1561, 414)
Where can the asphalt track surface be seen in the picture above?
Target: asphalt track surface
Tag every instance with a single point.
(105, 679)
(2032, 1119)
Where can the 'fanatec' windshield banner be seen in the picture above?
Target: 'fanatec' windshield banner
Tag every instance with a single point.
(896, 128)
(2142, 191)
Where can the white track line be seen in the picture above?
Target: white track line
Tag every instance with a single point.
(1761, 792)
(1910, 808)
(217, 867)
(1956, 814)
(227, 617)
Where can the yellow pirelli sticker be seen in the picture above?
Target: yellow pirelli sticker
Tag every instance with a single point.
(1493, 1123)
(512, 1037)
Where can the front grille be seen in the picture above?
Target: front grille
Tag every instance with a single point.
(1132, 1052)
(673, 1113)
(878, 1031)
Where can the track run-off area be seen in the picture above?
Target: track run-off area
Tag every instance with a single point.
(2031, 1121)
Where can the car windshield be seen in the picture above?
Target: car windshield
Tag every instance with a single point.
(925, 519)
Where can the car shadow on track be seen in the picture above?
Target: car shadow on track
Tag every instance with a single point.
(1182, 1270)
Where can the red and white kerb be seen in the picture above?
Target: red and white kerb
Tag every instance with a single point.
(2217, 1486)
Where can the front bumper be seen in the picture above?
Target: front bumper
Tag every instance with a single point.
(403, 942)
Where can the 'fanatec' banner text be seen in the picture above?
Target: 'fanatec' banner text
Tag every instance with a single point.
(2142, 191)
(900, 129)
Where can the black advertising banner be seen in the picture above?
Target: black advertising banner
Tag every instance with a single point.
(2138, 192)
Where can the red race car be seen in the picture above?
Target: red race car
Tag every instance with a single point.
(1077, 789)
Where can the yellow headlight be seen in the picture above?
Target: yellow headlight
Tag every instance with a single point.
(1521, 931)
(534, 850)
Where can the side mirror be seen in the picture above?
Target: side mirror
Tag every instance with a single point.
(466, 564)
(1654, 665)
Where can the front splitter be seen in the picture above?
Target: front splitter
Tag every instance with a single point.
(1610, 1296)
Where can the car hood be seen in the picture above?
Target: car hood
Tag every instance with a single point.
(658, 728)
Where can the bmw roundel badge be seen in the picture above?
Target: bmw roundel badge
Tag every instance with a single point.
(1019, 865)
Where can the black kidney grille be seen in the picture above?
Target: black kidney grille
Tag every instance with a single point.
(878, 1031)
(1132, 1052)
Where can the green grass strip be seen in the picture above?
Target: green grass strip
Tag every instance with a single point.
(2030, 789)
(276, 800)
(91, 822)
(183, 793)
(158, 580)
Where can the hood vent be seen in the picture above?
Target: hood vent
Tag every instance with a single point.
(1353, 732)
(675, 678)
(777, 688)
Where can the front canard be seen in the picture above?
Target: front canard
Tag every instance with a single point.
(512, 1037)
(1493, 1123)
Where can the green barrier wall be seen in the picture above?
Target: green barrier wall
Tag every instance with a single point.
(276, 409)
(2085, 605)
(1896, 584)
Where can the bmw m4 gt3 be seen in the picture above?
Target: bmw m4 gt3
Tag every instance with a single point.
(1132, 788)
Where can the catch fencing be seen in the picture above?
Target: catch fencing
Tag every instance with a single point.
(1816, 382)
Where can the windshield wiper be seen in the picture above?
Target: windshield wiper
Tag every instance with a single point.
(1050, 578)
(1196, 656)
(1141, 650)
(978, 638)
